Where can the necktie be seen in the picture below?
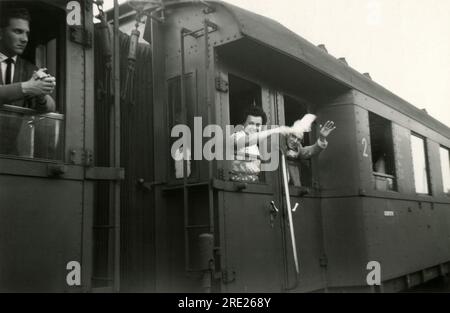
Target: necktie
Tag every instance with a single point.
(9, 63)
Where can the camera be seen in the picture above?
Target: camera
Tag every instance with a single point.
(41, 74)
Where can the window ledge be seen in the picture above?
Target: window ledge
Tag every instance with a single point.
(242, 187)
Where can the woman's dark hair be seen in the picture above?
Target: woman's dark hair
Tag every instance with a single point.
(255, 111)
(7, 13)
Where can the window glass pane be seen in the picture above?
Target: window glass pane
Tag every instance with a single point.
(176, 117)
(419, 164)
(29, 135)
(445, 166)
(382, 147)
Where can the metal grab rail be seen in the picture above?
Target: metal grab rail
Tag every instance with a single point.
(289, 213)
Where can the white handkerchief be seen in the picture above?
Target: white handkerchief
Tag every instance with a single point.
(304, 125)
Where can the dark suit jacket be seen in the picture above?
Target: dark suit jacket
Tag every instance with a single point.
(12, 94)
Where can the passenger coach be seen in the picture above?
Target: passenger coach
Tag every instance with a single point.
(379, 193)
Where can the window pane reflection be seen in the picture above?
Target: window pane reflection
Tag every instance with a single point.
(25, 134)
(419, 164)
(445, 166)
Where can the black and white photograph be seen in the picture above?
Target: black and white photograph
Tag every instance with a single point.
(240, 147)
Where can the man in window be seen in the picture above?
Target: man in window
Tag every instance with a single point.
(293, 149)
(21, 83)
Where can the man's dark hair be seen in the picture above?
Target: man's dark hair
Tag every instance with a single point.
(255, 111)
(7, 13)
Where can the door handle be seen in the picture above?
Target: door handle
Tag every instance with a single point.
(274, 207)
(273, 213)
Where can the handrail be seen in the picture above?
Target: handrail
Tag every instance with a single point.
(291, 224)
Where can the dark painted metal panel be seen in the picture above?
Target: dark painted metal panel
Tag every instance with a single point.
(411, 237)
(40, 232)
(344, 241)
(338, 165)
(309, 238)
(363, 143)
(75, 97)
(34, 168)
(253, 247)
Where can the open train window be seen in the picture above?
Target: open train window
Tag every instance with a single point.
(420, 164)
(25, 132)
(383, 160)
(300, 170)
(445, 168)
(242, 95)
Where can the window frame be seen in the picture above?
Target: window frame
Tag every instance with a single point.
(394, 173)
(60, 92)
(265, 178)
(427, 164)
(170, 119)
(441, 147)
(309, 139)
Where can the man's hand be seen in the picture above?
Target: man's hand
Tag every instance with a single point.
(40, 87)
(40, 74)
(326, 130)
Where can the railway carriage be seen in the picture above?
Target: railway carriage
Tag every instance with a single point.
(379, 192)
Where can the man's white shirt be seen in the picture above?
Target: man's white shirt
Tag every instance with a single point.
(3, 65)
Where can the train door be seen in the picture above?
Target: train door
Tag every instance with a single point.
(257, 249)
(249, 213)
(304, 268)
(45, 201)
